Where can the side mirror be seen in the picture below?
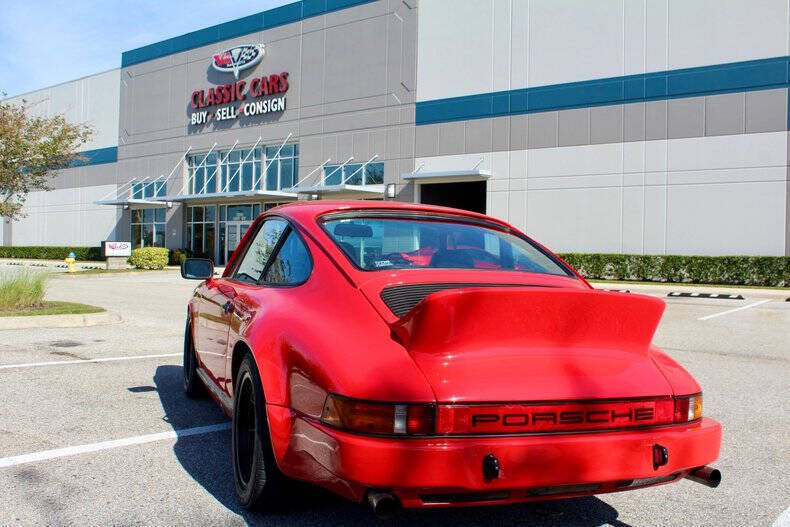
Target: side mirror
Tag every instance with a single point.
(197, 269)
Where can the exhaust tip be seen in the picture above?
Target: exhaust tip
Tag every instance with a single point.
(383, 504)
(708, 476)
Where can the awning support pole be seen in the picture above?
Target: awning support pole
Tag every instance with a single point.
(219, 164)
(192, 177)
(316, 169)
(152, 182)
(265, 168)
(362, 167)
(227, 183)
(339, 167)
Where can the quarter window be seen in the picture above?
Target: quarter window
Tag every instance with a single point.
(291, 265)
(253, 263)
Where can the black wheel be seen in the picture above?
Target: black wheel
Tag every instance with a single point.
(259, 483)
(193, 386)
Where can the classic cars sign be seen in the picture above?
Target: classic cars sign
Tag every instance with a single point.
(237, 99)
(110, 248)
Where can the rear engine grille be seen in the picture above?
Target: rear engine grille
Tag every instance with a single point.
(402, 298)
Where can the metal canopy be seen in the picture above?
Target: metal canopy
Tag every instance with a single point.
(136, 203)
(271, 195)
(447, 176)
(344, 190)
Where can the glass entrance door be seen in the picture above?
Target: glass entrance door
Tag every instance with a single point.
(234, 231)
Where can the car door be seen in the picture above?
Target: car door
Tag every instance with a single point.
(288, 264)
(232, 290)
(213, 319)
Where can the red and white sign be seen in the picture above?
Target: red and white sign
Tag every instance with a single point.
(116, 248)
(235, 96)
(238, 58)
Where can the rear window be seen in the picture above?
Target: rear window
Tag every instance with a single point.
(376, 244)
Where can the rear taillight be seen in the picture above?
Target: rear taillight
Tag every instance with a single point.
(379, 418)
(688, 408)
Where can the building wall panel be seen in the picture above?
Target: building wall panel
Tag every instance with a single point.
(701, 195)
(67, 217)
(553, 42)
(93, 100)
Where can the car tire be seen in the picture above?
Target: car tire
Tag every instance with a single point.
(259, 483)
(193, 386)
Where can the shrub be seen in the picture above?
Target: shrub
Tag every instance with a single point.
(149, 258)
(22, 289)
(177, 256)
(771, 271)
(52, 253)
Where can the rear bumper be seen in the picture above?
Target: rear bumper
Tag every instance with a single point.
(448, 471)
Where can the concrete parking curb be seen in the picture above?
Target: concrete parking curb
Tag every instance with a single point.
(723, 296)
(82, 276)
(722, 292)
(59, 321)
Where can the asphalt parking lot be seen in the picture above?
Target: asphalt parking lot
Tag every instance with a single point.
(93, 443)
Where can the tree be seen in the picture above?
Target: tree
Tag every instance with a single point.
(32, 150)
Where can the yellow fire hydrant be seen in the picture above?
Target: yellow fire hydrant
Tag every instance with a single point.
(71, 259)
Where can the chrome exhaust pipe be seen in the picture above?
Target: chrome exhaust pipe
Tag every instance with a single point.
(708, 476)
(383, 504)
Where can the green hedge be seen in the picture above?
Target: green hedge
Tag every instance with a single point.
(52, 253)
(771, 271)
(150, 258)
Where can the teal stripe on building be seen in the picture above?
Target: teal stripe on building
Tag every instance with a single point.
(286, 14)
(691, 82)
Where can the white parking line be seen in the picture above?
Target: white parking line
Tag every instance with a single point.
(734, 310)
(85, 361)
(106, 445)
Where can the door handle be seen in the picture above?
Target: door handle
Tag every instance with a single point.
(227, 307)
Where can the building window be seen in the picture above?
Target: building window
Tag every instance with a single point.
(201, 233)
(243, 169)
(148, 227)
(282, 170)
(202, 173)
(154, 189)
(354, 174)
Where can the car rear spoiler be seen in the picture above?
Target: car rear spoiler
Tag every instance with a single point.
(526, 317)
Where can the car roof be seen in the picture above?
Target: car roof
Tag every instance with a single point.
(305, 212)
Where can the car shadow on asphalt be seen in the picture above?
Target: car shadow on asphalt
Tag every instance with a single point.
(207, 459)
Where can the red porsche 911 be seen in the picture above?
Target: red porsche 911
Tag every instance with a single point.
(420, 356)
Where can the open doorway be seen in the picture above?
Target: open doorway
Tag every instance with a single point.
(467, 196)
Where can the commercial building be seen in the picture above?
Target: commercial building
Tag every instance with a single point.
(644, 126)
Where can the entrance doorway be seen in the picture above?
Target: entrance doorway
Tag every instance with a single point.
(467, 196)
(234, 231)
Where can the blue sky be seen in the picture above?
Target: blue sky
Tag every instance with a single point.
(45, 42)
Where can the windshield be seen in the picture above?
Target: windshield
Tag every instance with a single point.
(375, 244)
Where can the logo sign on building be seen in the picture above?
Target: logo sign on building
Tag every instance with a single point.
(241, 98)
(238, 58)
(116, 248)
